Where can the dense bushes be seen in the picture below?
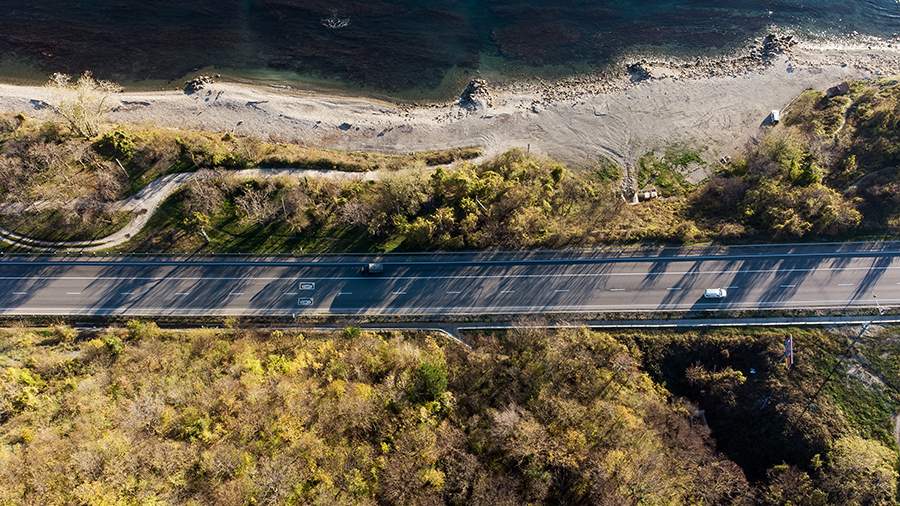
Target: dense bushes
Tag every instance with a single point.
(512, 201)
(828, 171)
(779, 191)
(145, 415)
(240, 417)
(804, 448)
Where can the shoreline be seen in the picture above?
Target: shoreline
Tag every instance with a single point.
(717, 104)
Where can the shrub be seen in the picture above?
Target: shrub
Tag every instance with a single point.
(117, 144)
(193, 426)
(429, 382)
(139, 330)
(352, 332)
(64, 333)
(108, 344)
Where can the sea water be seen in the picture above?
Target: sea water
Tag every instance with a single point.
(400, 48)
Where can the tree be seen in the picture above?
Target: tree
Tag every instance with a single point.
(429, 382)
(789, 485)
(861, 471)
(206, 192)
(82, 103)
(255, 205)
(199, 222)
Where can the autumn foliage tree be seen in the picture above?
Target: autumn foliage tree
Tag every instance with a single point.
(83, 102)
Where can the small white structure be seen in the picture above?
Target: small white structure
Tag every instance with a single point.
(648, 194)
(774, 117)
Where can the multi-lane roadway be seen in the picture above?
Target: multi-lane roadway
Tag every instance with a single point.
(824, 276)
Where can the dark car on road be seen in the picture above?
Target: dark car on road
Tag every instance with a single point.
(372, 269)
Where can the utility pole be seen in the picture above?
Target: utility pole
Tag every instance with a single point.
(789, 351)
(837, 364)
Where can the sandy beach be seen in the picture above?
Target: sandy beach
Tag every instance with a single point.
(719, 104)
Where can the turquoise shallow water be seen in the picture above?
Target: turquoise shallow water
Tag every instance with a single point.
(399, 47)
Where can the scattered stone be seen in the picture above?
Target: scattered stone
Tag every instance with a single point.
(345, 126)
(476, 96)
(196, 84)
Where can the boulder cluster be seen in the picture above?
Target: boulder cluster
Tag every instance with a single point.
(198, 83)
(477, 96)
(639, 71)
(773, 45)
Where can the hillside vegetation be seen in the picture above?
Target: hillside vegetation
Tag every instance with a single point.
(77, 178)
(140, 415)
(828, 171)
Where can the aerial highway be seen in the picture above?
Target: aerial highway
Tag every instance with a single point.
(642, 280)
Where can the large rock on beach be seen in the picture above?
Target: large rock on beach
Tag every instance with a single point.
(196, 84)
(639, 71)
(477, 96)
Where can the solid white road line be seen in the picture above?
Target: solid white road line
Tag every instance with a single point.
(629, 308)
(461, 276)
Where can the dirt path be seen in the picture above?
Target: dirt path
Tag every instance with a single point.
(146, 202)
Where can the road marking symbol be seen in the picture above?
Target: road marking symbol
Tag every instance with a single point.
(560, 291)
(305, 301)
(73, 293)
(398, 293)
(674, 288)
(507, 291)
(235, 294)
(788, 286)
(616, 289)
(179, 294)
(20, 293)
(345, 293)
(307, 286)
(851, 284)
(454, 293)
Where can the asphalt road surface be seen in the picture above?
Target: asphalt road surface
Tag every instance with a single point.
(822, 276)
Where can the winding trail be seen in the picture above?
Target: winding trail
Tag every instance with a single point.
(146, 202)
